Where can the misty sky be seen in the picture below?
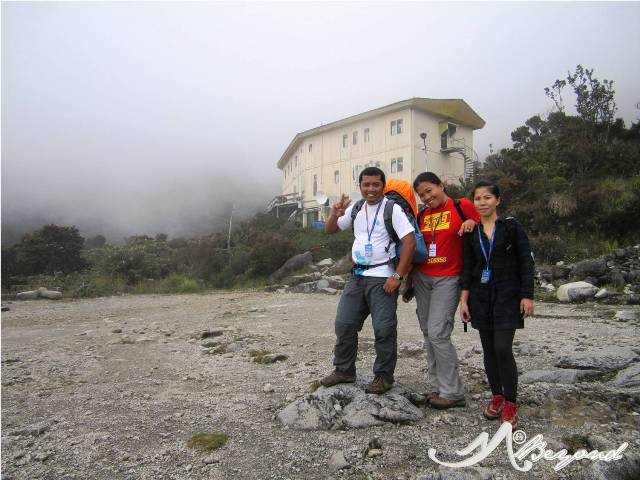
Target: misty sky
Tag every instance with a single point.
(125, 118)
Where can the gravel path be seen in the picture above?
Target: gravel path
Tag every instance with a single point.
(113, 388)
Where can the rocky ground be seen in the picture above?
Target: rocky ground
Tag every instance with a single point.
(114, 388)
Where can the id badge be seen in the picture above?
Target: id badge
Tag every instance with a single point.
(432, 249)
(368, 250)
(486, 276)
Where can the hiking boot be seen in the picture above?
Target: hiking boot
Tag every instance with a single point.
(378, 386)
(494, 408)
(510, 413)
(444, 403)
(431, 395)
(337, 377)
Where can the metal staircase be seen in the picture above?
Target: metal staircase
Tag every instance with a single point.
(471, 159)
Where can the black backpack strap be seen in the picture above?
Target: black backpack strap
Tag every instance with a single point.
(456, 203)
(387, 215)
(354, 211)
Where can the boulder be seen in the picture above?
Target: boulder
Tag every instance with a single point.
(348, 406)
(576, 291)
(295, 263)
(49, 294)
(609, 359)
(30, 295)
(628, 378)
(589, 268)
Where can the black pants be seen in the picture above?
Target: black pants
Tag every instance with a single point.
(499, 363)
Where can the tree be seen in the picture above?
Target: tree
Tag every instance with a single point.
(49, 250)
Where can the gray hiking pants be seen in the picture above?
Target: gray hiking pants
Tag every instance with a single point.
(437, 299)
(363, 296)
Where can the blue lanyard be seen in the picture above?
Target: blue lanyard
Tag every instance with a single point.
(484, 252)
(369, 233)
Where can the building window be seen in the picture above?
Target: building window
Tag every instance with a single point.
(315, 185)
(355, 137)
(396, 165)
(344, 140)
(397, 127)
(336, 176)
(310, 147)
(366, 135)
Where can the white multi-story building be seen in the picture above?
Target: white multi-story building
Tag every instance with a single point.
(403, 139)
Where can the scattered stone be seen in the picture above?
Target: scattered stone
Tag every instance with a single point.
(327, 262)
(602, 293)
(210, 460)
(329, 291)
(468, 473)
(4, 309)
(116, 330)
(627, 467)
(576, 291)
(562, 376)
(589, 268)
(338, 462)
(210, 333)
(374, 452)
(610, 359)
(625, 315)
(264, 358)
(268, 388)
(316, 411)
(628, 378)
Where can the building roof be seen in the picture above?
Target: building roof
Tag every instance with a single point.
(455, 109)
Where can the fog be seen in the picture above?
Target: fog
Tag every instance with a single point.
(140, 118)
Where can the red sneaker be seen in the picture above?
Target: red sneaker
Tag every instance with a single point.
(510, 413)
(494, 408)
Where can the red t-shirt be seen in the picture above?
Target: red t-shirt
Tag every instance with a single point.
(444, 223)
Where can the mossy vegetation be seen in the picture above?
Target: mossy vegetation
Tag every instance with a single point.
(576, 442)
(207, 442)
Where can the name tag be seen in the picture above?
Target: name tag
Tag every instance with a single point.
(368, 250)
(486, 276)
(432, 249)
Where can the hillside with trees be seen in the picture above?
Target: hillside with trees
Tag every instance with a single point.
(572, 180)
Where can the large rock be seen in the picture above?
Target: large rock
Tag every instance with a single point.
(295, 263)
(562, 376)
(610, 359)
(628, 378)
(576, 291)
(625, 315)
(589, 268)
(348, 406)
(29, 295)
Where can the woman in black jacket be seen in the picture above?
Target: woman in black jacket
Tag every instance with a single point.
(497, 294)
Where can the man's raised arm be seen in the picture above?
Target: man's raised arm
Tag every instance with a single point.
(337, 210)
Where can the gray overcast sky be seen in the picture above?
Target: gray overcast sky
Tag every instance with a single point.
(129, 118)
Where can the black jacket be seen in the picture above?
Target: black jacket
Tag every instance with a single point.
(496, 305)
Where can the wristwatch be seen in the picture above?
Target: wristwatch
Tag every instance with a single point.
(397, 276)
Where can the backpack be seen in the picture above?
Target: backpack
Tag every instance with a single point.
(397, 191)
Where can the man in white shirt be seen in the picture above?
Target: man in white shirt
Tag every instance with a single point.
(373, 287)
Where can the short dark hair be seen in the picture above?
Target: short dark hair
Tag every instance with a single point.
(428, 177)
(372, 172)
(493, 188)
